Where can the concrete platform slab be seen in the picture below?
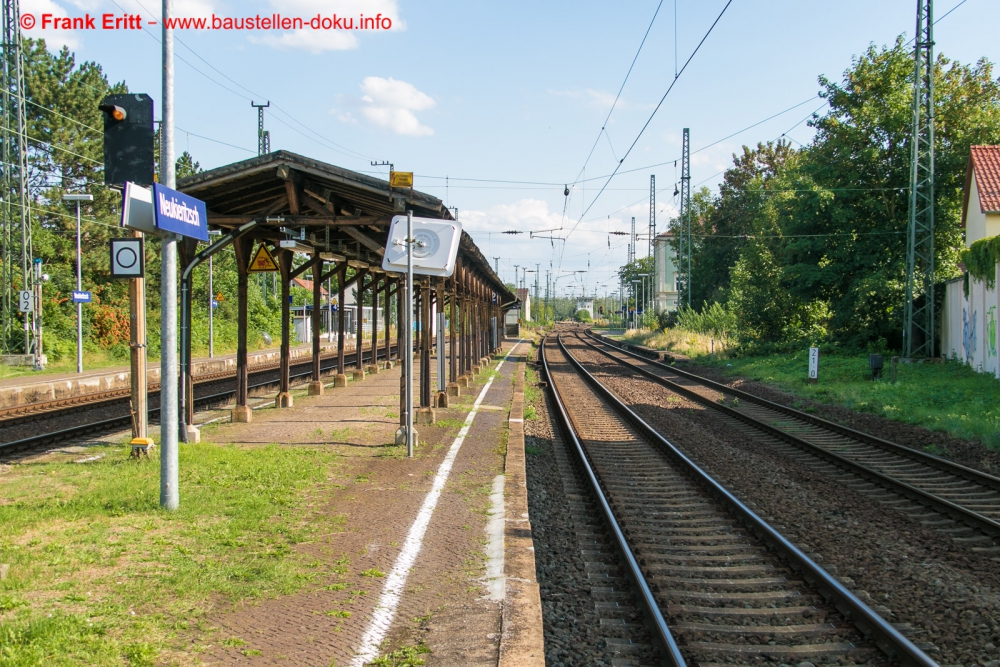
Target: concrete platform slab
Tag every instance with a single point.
(404, 569)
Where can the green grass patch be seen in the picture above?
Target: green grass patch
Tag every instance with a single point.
(100, 575)
(408, 656)
(373, 573)
(947, 397)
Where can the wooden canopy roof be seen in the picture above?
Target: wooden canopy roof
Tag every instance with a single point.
(325, 207)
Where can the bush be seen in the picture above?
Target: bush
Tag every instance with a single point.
(582, 315)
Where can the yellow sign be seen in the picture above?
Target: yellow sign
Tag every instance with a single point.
(263, 261)
(401, 179)
(220, 297)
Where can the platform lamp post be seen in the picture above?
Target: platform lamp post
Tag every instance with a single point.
(79, 279)
(211, 300)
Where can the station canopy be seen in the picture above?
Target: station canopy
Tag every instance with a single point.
(327, 209)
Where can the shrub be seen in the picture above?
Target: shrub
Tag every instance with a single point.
(582, 315)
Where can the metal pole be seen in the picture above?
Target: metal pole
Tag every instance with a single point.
(409, 333)
(211, 312)
(79, 288)
(169, 493)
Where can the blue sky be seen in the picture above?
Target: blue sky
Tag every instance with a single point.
(515, 91)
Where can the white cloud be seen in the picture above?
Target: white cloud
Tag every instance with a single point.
(54, 39)
(318, 41)
(388, 104)
(313, 41)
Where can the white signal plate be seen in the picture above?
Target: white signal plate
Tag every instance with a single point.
(434, 251)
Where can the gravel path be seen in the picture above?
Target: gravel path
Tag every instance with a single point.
(572, 626)
(935, 591)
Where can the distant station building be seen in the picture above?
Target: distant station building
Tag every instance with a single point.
(587, 305)
(524, 297)
(665, 273)
(971, 308)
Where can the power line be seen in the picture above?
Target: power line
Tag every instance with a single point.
(652, 115)
(613, 104)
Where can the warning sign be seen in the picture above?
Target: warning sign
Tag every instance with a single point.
(401, 179)
(263, 261)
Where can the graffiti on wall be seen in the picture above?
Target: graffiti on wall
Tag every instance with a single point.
(991, 331)
(969, 334)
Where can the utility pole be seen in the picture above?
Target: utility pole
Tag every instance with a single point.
(631, 246)
(263, 136)
(538, 267)
(685, 230)
(652, 211)
(918, 332)
(652, 219)
(169, 493)
(496, 266)
(79, 279)
(15, 216)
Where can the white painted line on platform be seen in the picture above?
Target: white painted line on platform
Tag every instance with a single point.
(385, 610)
(495, 582)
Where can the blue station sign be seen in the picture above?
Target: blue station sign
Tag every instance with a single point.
(179, 213)
(82, 297)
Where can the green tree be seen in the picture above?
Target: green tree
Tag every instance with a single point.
(846, 226)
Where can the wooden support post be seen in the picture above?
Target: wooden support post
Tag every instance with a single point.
(401, 299)
(316, 385)
(243, 246)
(427, 328)
(388, 344)
(453, 389)
(359, 368)
(284, 397)
(341, 378)
(425, 415)
(373, 362)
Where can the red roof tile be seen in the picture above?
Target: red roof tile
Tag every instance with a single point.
(308, 284)
(985, 162)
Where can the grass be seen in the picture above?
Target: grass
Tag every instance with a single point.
(948, 397)
(688, 343)
(101, 576)
(408, 656)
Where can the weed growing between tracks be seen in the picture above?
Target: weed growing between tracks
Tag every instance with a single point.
(100, 574)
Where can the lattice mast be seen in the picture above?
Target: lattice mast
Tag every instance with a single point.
(684, 233)
(15, 216)
(652, 212)
(631, 245)
(919, 316)
(263, 136)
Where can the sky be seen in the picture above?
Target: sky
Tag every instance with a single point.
(496, 106)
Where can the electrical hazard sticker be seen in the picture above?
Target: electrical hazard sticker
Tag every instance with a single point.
(263, 261)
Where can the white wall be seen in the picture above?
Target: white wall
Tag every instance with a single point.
(969, 324)
(979, 225)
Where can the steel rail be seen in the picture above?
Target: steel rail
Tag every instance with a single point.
(886, 637)
(651, 610)
(942, 505)
(970, 474)
(123, 421)
(27, 413)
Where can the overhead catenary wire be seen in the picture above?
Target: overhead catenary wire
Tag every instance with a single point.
(618, 96)
(653, 114)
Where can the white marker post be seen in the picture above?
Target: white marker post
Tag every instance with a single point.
(813, 365)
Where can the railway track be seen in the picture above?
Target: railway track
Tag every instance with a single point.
(714, 583)
(40, 410)
(104, 425)
(965, 503)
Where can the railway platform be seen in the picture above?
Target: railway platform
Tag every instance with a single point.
(412, 551)
(35, 388)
